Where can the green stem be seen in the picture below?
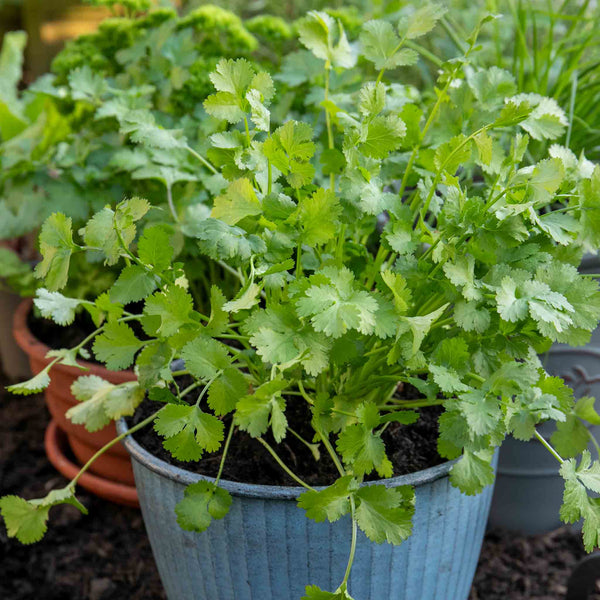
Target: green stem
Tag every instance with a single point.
(224, 455)
(202, 160)
(353, 544)
(110, 444)
(283, 465)
(549, 447)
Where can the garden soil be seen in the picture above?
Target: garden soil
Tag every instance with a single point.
(106, 555)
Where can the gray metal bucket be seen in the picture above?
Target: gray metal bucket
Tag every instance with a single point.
(267, 549)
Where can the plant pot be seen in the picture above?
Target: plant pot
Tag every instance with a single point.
(57, 449)
(529, 488)
(267, 549)
(13, 361)
(114, 465)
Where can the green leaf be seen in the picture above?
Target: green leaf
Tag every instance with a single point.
(245, 299)
(336, 307)
(314, 592)
(56, 246)
(102, 402)
(290, 149)
(155, 247)
(546, 120)
(134, 283)
(326, 39)
(330, 503)
(385, 514)
(224, 242)
(422, 21)
(318, 217)
(35, 385)
(55, 306)
(585, 409)
(218, 317)
(380, 46)
(188, 431)
(232, 76)
(361, 448)
(226, 390)
(26, 519)
(265, 408)
(171, 309)
(116, 346)
(576, 502)
(471, 317)
(381, 135)
(202, 502)
(472, 473)
(237, 203)
(87, 85)
(571, 437)
(205, 358)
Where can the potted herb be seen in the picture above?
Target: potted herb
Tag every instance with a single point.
(391, 273)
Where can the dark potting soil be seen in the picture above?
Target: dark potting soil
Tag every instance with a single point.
(55, 336)
(410, 448)
(106, 555)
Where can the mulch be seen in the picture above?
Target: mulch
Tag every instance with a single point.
(106, 555)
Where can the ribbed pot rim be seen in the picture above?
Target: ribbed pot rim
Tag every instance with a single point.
(253, 490)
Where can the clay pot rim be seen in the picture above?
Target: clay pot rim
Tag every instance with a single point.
(55, 440)
(36, 349)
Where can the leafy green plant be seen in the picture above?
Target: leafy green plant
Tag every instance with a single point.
(378, 239)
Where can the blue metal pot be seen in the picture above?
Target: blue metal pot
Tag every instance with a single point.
(267, 549)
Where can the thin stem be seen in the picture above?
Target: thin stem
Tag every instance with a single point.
(549, 447)
(202, 160)
(336, 461)
(110, 444)
(171, 205)
(572, 106)
(593, 440)
(224, 455)
(353, 544)
(283, 465)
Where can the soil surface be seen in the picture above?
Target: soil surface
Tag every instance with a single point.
(409, 447)
(106, 555)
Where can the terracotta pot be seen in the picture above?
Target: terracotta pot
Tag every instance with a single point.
(13, 361)
(56, 444)
(115, 464)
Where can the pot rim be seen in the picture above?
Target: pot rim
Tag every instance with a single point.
(36, 349)
(254, 490)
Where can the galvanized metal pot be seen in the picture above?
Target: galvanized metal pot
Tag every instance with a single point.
(267, 549)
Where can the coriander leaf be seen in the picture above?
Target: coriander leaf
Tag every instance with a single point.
(55, 306)
(205, 358)
(237, 203)
(155, 247)
(116, 346)
(314, 592)
(337, 307)
(134, 283)
(35, 385)
(102, 402)
(188, 431)
(317, 32)
(171, 308)
(422, 21)
(255, 413)
(318, 217)
(226, 390)
(202, 502)
(385, 514)
(330, 503)
(218, 317)
(472, 473)
(56, 246)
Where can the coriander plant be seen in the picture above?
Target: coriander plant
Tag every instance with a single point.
(380, 234)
